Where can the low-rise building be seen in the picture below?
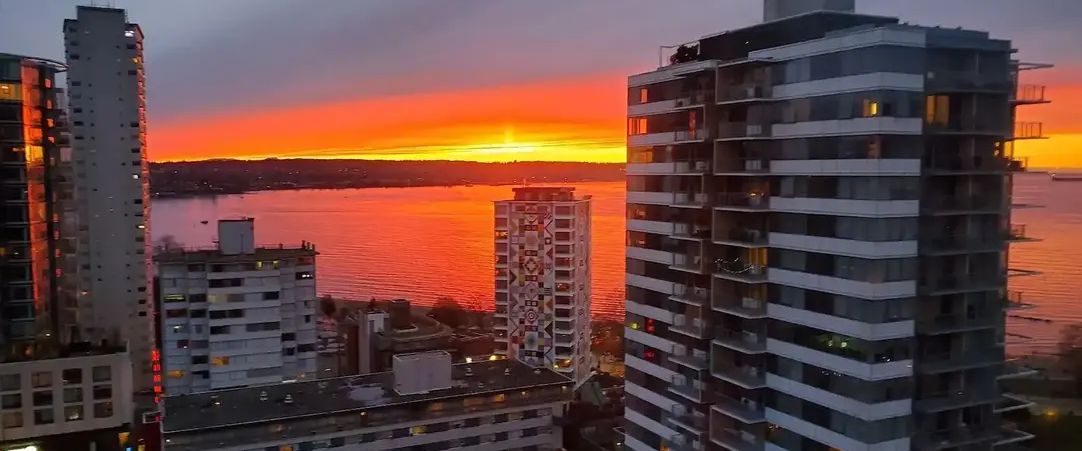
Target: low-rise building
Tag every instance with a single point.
(236, 314)
(425, 403)
(79, 400)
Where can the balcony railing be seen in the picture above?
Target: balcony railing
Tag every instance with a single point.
(938, 282)
(1015, 301)
(691, 294)
(731, 130)
(1017, 232)
(746, 410)
(956, 323)
(750, 377)
(685, 230)
(745, 307)
(748, 91)
(953, 399)
(742, 165)
(965, 242)
(687, 262)
(1028, 130)
(742, 235)
(744, 201)
(741, 340)
(692, 326)
(939, 362)
(690, 199)
(738, 270)
(692, 167)
(662, 138)
(966, 203)
(696, 359)
(970, 163)
(729, 438)
(1030, 94)
(950, 438)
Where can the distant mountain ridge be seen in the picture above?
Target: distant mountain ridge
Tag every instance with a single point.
(210, 177)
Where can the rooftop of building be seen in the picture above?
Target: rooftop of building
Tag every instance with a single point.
(545, 193)
(55, 65)
(215, 255)
(46, 350)
(226, 408)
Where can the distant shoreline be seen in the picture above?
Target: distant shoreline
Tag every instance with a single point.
(222, 177)
(297, 188)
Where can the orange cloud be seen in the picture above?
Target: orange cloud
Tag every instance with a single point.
(579, 119)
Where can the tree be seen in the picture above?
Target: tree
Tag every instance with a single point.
(447, 311)
(684, 53)
(327, 305)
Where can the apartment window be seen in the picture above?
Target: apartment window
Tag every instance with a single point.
(937, 110)
(259, 327)
(200, 297)
(302, 275)
(74, 394)
(219, 330)
(73, 413)
(289, 336)
(871, 108)
(12, 401)
(176, 313)
(199, 344)
(169, 297)
(71, 376)
(199, 359)
(41, 379)
(219, 361)
(306, 348)
(13, 420)
(44, 416)
(197, 313)
(103, 392)
(270, 295)
(103, 409)
(43, 398)
(10, 382)
(644, 95)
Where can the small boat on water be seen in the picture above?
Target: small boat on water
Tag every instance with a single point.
(1066, 177)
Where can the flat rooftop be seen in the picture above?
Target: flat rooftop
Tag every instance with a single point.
(214, 255)
(225, 408)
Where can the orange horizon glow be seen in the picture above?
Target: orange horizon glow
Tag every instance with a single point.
(570, 119)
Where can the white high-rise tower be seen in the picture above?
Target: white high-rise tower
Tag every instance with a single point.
(107, 91)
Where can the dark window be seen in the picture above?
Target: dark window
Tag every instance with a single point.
(270, 295)
(199, 359)
(198, 313)
(72, 376)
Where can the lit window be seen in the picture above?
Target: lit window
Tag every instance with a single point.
(175, 374)
(129, 34)
(644, 95)
(871, 108)
(219, 361)
(418, 430)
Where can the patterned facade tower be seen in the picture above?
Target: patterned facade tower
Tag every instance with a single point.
(543, 280)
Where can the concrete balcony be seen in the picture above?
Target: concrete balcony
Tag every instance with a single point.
(688, 263)
(651, 168)
(741, 237)
(666, 138)
(686, 231)
(741, 340)
(746, 376)
(740, 272)
(650, 197)
(845, 365)
(690, 200)
(829, 437)
(947, 361)
(693, 100)
(841, 325)
(740, 166)
(730, 131)
(741, 202)
(746, 92)
(956, 399)
(744, 307)
(954, 323)
(691, 388)
(840, 402)
(956, 437)
(690, 325)
(745, 410)
(698, 296)
(642, 225)
(694, 167)
(650, 255)
(1029, 130)
(695, 359)
(650, 283)
(736, 440)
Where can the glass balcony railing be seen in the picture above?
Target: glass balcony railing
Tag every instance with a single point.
(746, 91)
(736, 130)
(742, 306)
(743, 201)
(742, 236)
(741, 165)
(741, 340)
(692, 294)
(688, 230)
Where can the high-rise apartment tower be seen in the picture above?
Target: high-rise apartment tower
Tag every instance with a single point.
(543, 280)
(107, 92)
(818, 221)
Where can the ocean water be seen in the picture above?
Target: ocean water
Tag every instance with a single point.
(431, 242)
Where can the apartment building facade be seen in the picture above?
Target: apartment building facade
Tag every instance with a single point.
(107, 103)
(236, 314)
(543, 280)
(492, 405)
(818, 221)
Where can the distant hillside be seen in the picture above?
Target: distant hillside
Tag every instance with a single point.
(237, 176)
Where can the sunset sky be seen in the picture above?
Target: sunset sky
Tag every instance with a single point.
(490, 80)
